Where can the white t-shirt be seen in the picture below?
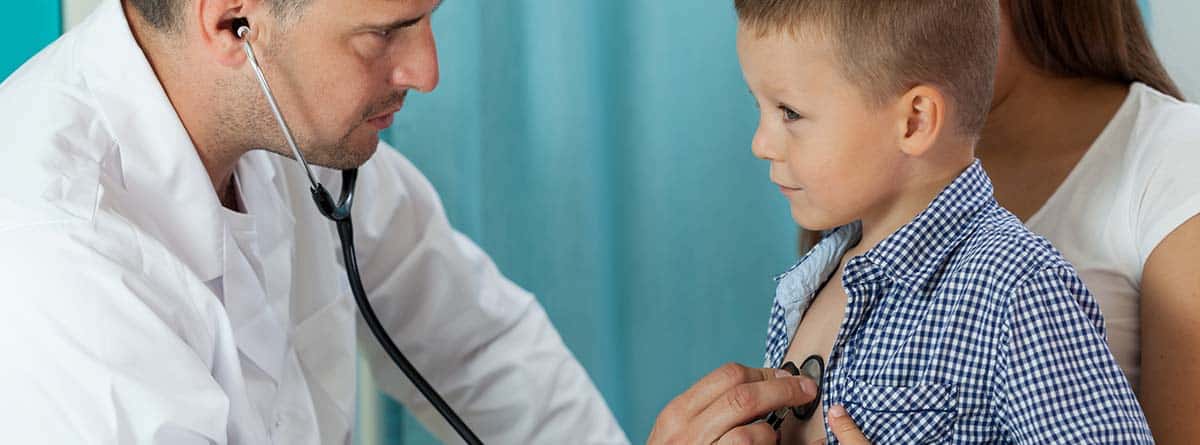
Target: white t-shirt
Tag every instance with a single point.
(1138, 182)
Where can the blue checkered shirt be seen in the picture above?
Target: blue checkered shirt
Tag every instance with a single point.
(962, 327)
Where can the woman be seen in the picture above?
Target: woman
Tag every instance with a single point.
(1089, 144)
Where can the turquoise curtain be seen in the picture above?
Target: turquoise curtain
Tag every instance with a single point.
(599, 151)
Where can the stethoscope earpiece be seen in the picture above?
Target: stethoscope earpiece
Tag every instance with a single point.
(240, 27)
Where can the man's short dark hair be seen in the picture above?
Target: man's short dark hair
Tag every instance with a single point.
(165, 15)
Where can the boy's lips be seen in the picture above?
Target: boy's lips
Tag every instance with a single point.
(786, 189)
(782, 184)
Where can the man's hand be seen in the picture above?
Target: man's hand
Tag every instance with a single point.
(721, 407)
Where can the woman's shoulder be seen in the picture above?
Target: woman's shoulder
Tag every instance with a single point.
(1163, 124)
(1152, 134)
(1159, 163)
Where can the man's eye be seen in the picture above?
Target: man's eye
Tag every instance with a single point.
(788, 114)
(384, 34)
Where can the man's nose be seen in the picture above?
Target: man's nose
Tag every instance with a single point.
(417, 63)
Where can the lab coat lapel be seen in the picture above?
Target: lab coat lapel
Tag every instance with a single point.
(258, 303)
(260, 334)
(264, 195)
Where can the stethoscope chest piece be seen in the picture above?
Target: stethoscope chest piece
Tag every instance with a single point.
(812, 367)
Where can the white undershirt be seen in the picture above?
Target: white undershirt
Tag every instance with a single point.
(1137, 183)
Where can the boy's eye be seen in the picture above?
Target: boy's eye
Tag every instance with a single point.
(788, 114)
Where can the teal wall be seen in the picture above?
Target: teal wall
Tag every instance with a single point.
(27, 27)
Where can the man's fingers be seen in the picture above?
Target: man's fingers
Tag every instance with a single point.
(718, 382)
(746, 402)
(844, 428)
(753, 434)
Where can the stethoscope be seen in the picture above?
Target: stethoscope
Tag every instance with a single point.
(813, 367)
(339, 213)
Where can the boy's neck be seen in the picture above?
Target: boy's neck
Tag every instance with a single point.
(924, 184)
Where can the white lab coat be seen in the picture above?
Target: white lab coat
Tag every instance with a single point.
(138, 310)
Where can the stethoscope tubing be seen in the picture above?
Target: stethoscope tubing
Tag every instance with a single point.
(339, 213)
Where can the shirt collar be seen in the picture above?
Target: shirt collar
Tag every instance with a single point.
(171, 191)
(807, 276)
(918, 249)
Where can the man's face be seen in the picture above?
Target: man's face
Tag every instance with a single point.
(340, 70)
(832, 153)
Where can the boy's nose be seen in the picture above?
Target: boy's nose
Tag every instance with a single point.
(762, 147)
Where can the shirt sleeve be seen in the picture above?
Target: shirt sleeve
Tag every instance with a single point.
(93, 352)
(1057, 381)
(1168, 185)
(483, 342)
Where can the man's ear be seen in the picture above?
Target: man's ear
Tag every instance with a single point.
(925, 110)
(216, 31)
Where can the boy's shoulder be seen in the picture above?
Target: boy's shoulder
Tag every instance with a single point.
(1003, 255)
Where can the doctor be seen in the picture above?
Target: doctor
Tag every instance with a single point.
(168, 279)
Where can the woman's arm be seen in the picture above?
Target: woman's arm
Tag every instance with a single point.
(1169, 388)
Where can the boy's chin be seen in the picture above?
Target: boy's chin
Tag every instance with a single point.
(816, 221)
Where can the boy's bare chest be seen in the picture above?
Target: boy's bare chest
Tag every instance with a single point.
(815, 335)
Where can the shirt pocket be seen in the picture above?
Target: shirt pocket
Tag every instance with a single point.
(922, 413)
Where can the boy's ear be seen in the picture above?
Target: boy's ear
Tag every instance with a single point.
(924, 110)
(216, 31)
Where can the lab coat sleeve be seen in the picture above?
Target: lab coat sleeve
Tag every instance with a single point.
(93, 352)
(483, 342)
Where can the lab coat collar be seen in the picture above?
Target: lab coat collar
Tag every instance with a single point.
(161, 170)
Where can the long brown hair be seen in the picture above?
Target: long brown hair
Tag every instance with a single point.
(1101, 39)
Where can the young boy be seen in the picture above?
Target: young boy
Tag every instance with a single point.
(937, 315)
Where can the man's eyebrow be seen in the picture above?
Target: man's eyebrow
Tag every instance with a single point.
(398, 24)
(403, 23)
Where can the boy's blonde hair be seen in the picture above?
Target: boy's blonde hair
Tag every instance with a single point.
(887, 47)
